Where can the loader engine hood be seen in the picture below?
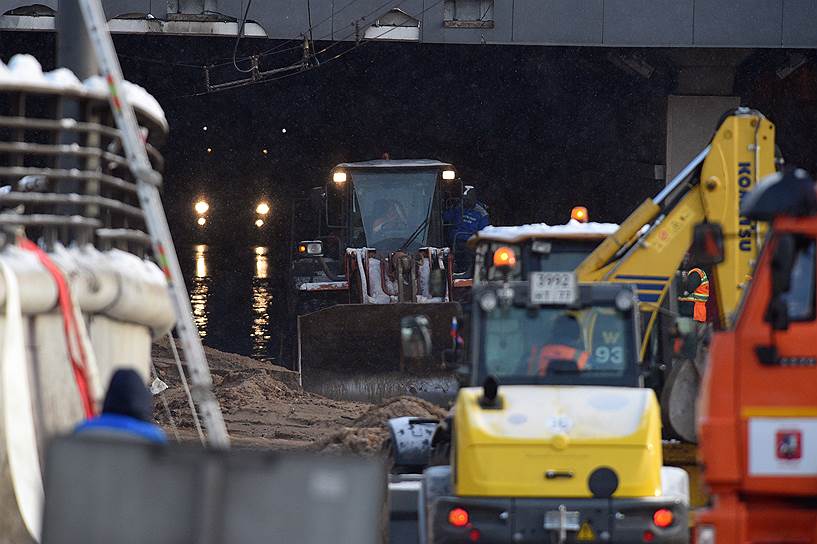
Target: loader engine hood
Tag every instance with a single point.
(550, 441)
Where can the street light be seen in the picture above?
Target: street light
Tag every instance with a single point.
(262, 209)
(259, 223)
(201, 221)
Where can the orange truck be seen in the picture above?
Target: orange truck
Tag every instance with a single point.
(758, 410)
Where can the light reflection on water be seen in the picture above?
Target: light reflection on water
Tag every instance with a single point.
(208, 298)
(261, 299)
(200, 293)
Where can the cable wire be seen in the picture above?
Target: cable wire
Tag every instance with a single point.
(238, 39)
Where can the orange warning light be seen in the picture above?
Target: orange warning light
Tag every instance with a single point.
(504, 257)
(579, 213)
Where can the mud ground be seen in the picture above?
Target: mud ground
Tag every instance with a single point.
(264, 407)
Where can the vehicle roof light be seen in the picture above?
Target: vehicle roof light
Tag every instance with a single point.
(339, 177)
(579, 213)
(504, 257)
(449, 174)
(458, 517)
(663, 518)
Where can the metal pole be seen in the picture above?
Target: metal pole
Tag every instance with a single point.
(75, 52)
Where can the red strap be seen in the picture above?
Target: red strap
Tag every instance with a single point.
(78, 364)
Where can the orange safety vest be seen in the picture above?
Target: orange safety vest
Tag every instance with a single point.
(699, 297)
(552, 352)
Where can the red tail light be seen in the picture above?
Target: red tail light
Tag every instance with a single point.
(663, 518)
(458, 517)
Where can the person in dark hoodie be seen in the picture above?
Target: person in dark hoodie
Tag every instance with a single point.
(127, 412)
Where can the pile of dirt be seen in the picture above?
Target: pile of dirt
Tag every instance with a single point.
(368, 434)
(265, 407)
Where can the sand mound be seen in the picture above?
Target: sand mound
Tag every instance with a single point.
(378, 416)
(369, 434)
(264, 406)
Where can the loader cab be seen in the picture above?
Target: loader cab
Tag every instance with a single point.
(391, 205)
(382, 205)
(592, 341)
(540, 247)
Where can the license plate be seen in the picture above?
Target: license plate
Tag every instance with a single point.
(553, 288)
(558, 520)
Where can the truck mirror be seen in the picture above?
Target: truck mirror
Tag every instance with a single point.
(707, 244)
(777, 313)
(437, 283)
(415, 336)
(782, 264)
(317, 197)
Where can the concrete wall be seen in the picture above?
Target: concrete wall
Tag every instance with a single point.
(691, 122)
(614, 23)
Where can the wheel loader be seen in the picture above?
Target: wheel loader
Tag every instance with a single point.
(371, 248)
(554, 438)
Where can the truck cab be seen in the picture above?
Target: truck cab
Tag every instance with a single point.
(538, 247)
(553, 437)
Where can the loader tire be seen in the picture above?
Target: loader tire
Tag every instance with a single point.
(678, 401)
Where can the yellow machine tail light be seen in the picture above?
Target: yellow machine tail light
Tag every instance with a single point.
(663, 518)
(302, 248)
(504, 257)
(458, 517)
(579, 213)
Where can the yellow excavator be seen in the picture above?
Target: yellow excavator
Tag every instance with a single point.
(652, 243)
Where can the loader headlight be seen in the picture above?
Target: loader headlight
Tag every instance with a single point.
(488, 301)
(624, 301)
(449, 174)
(312, 248)
(339, 177)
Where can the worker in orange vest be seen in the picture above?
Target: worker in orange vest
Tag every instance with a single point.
(692, 302)
(565, 345)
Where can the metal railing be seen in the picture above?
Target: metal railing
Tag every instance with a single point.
(67, 179)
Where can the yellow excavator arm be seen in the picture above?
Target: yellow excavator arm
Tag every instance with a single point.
(650, 245)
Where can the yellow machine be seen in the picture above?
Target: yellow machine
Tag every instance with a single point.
(649, 247)
(561, 442)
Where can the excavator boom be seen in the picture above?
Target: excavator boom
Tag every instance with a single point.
(650, 245)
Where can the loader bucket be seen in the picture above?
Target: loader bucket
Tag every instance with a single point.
(353, 352)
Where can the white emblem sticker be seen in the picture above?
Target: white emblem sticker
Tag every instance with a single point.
(782, 446)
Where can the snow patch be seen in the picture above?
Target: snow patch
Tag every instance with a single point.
(25, 71)
(544, 230)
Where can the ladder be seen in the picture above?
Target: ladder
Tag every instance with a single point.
(148, 181)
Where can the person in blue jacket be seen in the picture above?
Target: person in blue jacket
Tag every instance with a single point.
(465, 222)
(127, 412)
